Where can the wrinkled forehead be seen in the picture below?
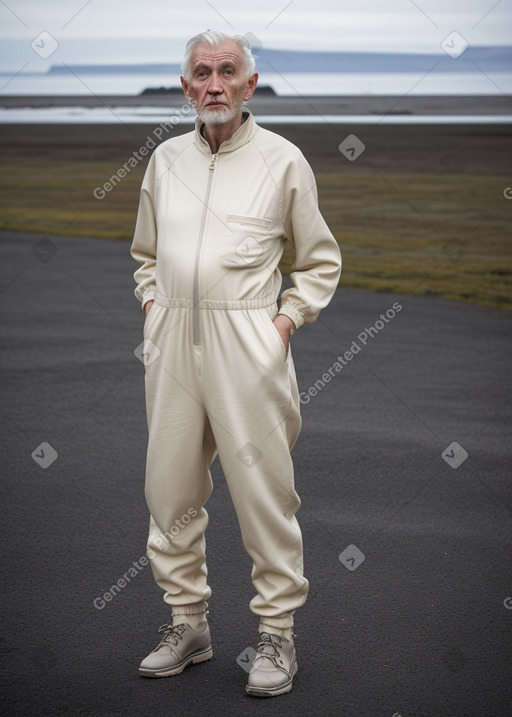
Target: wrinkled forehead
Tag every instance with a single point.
(226, 52)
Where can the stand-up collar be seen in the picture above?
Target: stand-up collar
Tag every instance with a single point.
(243, 134)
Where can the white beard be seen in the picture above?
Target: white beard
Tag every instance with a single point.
(218, 117)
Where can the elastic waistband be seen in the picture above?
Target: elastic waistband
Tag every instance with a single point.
(260, 303)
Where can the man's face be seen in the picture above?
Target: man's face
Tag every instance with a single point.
(218, 84)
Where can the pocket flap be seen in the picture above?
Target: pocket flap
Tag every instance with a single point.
(251, 221)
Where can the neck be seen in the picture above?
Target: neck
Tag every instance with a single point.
(215, 135)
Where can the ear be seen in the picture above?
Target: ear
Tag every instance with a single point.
(251, 86)
(186, 87)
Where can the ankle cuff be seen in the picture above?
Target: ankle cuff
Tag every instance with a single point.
(281, 623)
(195, 609)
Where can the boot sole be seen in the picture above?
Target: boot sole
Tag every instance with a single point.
(193, 659)
(272, 691)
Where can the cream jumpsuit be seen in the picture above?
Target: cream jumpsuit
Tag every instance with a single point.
(209, 236)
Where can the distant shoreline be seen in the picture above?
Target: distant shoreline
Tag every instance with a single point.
(496, 58)
(268, 104)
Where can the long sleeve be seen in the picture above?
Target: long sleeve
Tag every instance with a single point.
(143, 248)
(317, 266)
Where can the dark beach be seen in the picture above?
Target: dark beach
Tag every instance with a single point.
(393, 147)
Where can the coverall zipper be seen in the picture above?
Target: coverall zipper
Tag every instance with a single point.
(196, 332)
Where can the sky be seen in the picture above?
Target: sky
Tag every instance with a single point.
(134, 31)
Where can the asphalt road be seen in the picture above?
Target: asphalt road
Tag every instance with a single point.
(420, 626)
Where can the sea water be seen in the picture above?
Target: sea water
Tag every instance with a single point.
(162, 116)
(293, 83)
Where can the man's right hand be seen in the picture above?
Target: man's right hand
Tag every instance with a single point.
(147, 306)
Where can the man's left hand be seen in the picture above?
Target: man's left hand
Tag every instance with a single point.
(284, 325)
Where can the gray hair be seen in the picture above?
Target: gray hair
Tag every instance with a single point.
(213, 39)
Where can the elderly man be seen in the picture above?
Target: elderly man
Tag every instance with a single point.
(216, 207)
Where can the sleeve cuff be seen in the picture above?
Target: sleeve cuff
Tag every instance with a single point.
(149, 295)
(293, 313)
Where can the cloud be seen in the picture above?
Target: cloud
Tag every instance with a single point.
(156, 30)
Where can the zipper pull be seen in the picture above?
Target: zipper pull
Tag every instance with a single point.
(214, 159)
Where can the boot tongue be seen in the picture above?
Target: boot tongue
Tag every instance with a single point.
(267, 646)
(268, 650)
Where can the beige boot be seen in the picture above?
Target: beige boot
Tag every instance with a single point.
(179, 647)
(273, 668)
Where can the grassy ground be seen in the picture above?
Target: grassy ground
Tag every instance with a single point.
(445, 235)
(442, 234)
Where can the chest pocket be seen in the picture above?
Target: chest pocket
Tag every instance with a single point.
(249, 241)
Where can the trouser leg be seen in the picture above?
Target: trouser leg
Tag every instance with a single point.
(253, 405)
(181, 449)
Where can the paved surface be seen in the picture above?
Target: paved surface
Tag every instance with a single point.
(420, 627)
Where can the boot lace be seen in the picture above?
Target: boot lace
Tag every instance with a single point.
(172, 635)
(269, 647)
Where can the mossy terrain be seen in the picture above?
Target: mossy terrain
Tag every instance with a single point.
(446, 235)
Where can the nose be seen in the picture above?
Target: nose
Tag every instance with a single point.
(214, 86)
